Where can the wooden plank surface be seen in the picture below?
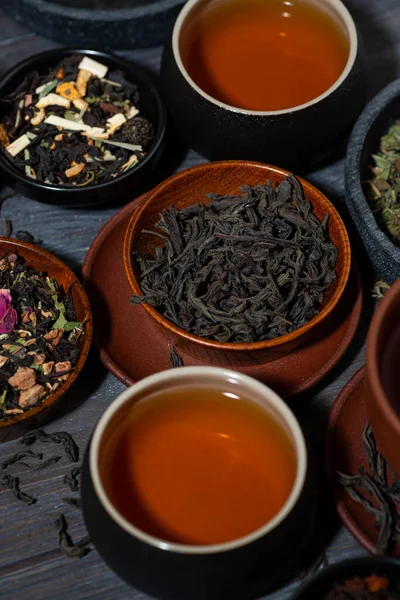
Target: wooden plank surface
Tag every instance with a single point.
(31, 566)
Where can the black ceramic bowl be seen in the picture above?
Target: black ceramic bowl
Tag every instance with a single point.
(317, 587)
(123, 187)
(373, 123)
(97, 23)
(295, 139)
(236, 570)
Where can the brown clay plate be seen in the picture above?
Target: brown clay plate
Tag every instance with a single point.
(131, 346)
(345, 453)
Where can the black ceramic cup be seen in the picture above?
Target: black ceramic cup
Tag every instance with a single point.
(296, 138)
(122, 188)
(237, 570)
(320, 585)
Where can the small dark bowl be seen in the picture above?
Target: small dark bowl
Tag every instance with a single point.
(373, 123)
(296, 138)
(123, 187)
(42, 260)
(321, 584)
(124, 24)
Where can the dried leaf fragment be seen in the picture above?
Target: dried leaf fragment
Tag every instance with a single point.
(81, 81)
(53, 100)
(23, 379)
(29, 397)
(38, 117)
(75, 169)
(54, 336)
(18, 145)
(68, 90)
(4, 139)
(61, 367)
(93, 67)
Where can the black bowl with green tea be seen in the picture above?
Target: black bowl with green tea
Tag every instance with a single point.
(242, 269)
(39, 336)
(79, 127)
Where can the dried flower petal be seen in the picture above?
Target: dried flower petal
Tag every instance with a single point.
(8, 315)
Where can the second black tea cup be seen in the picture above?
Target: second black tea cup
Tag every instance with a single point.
(238, 569)
(295, 138)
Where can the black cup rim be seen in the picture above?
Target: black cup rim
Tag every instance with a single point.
(141, 77)
(178, 376)
(332, 573)
(341, 9)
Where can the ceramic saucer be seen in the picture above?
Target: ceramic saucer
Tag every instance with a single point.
(345, 453)
(131, 346)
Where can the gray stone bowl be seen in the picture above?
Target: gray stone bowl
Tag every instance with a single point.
(372, 124)
(117, 24)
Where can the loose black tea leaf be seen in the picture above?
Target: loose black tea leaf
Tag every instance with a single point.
(75, 502)
(383, 191)
(175, 358)
(75, 125)
(7, 227)
(67, 547)
(25, 236)
(244, 268)
(20, 456)
(42, 465)
(59, 437)
(383, 501)
(72, 479)
(12, 483)
(39, 336)
(372, 587)
(379, 290)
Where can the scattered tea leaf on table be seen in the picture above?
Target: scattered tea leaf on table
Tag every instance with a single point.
(67, 547)
(72, 479)
(12, 483)
(60, 437)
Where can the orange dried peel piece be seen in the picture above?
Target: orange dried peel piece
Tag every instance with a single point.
(68, 90)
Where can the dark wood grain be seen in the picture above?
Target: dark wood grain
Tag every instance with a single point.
(31, 566)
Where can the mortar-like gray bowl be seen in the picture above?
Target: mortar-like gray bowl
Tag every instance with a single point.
(372, 124)
(118, 24)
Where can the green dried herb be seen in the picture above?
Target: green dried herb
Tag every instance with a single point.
(383, 191)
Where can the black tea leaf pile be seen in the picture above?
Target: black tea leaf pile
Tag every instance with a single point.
(243, 268)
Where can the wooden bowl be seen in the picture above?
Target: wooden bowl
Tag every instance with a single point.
(190, 187)
(383, 411)
(44, 261)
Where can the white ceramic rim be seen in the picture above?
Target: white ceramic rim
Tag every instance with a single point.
(353, 42)
(178, 375)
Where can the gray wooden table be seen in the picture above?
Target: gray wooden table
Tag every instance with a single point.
(31, 565)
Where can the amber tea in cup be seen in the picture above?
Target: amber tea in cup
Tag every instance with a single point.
(264, 55)
(199, 462)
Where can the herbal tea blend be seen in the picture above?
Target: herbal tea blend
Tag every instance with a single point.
(383, 193)
(373, 587)
(242, 268)
(372, 490)
(39, 338)
(79, 124)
